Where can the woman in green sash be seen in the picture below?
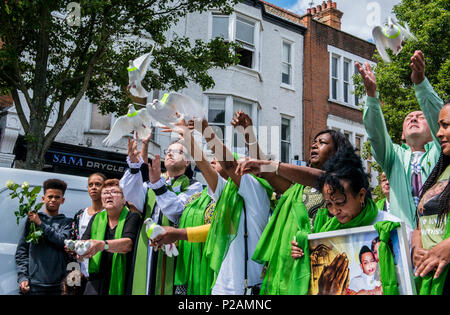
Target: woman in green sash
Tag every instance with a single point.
(273, 249)
(431, 242)
(112, 234)
(345, 187)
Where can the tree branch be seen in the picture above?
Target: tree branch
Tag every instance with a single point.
(19, 110)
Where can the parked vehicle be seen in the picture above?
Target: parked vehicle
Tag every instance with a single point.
(76, 197)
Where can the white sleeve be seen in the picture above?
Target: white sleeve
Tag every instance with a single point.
(221, 182)
(172, 205)
(255, 195)
(134, 189)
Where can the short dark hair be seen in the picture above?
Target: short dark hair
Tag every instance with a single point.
(364, 250)
(54, 183)
(447, 101)
(345, 165)
(69, 288)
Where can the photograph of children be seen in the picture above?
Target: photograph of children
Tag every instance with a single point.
(349, 264)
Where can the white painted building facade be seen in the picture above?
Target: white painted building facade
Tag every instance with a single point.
(267, 85)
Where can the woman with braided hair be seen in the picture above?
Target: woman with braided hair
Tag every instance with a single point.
(431, 243)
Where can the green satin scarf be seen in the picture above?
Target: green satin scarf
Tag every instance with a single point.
(301, 272)
(140, 268)
(386, 258)
(274, 246)
(118, 268)
(224, 228)
(188, 267)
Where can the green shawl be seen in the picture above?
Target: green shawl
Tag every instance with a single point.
(387, 267)
(428, 285)
(274, 246)
(119, 262)
(188, 267)
(301, 272)
(140, 268)
(224, 228)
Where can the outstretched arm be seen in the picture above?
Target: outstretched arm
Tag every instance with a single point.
(374, 123)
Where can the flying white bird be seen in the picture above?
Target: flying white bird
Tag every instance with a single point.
(164, 112)
(136, 73)
(391, 36)
(134, 120)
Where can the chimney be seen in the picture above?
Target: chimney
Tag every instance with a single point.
(328, 14)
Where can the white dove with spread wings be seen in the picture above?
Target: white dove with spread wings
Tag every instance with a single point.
(136, 73)
(391, 36)
(134, 120)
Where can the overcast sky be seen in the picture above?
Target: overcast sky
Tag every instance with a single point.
(359, 15)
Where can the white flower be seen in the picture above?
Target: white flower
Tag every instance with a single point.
(25, 185)
(9, 184)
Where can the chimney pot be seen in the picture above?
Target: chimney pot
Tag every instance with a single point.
(324, 5)
(319, 8)
(334, 5)
(313, 11)
(308, 11)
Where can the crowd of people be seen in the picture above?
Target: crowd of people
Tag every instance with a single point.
(246, 231)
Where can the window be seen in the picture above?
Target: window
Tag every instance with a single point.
(286, 65)
(334, 77)
(358, 144)
(342, 70)
(355, 71)
(239, 145)
(99, 121)
(346, 80)
(216, 116)
(220, 26)
(220, 112)
(241, 30)
(285, 140)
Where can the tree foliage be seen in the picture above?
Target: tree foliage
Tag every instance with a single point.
(429, 20)
(54, 64)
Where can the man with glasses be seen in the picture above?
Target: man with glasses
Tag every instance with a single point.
(162, 199)
(42, 266)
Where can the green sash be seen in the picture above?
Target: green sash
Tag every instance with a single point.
(164, 282)
(188, 267)
(430, 286)
(140, 264)
(118, 268)
(387, 267)
(380, 204)
(274, 246)
(301, 272)
(224, 228)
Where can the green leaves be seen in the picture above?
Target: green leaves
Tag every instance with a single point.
(27, 203)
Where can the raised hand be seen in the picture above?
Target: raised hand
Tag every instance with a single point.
(133, 152)
(370, 83)
(241, 119)
(418, 67)
(333, 279)
(154, 169)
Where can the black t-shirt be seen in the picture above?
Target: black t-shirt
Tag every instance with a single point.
(100, 281)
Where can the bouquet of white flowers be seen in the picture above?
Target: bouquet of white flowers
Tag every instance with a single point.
(27, 199)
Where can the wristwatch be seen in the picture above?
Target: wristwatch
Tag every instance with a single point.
(106, 246)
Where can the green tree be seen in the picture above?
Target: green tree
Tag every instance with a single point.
(429, 20)
(54, 62)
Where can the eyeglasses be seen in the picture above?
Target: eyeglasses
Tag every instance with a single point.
(173, 152)
(112, 193)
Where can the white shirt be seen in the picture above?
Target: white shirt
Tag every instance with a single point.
(363, 282)
(230, 280)
(82, 225)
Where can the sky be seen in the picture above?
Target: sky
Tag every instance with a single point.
(360, 16)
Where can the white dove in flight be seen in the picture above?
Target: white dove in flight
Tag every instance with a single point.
(164, 112)
(391, 36)
(136, 73)
(134, 120)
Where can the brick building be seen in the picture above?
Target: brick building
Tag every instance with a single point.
(329, 65)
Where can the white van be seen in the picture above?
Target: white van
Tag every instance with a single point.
(76, 198)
